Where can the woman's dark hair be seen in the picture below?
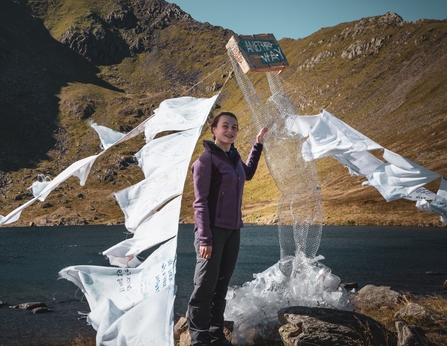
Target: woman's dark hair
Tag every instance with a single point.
(216, 118)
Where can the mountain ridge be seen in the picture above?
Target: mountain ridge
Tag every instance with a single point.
(66, 63)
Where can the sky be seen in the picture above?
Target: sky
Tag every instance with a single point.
(301, 18)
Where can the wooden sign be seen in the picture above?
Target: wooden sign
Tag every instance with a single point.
(257, 53)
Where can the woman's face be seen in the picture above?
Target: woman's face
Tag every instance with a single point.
(225, 132)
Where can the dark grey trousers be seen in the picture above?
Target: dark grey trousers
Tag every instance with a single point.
(211, 279)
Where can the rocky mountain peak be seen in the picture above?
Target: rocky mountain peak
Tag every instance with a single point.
(391, 18)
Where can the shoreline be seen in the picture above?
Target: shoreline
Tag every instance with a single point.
(78, 223)
(22, 327)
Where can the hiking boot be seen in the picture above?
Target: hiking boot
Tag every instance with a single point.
(223, 342)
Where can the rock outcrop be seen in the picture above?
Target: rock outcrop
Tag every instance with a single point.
(373, 297)
(125, 31)
(321, 326)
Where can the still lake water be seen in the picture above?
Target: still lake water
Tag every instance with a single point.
(30, 259)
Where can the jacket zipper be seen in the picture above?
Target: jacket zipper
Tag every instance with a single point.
(222, 194)
(238, 208)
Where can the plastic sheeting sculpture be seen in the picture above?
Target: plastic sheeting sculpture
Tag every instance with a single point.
(298, 278)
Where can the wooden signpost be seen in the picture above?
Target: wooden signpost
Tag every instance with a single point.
(257, 53)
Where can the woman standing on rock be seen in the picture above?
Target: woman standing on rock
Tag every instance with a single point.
(219, 177)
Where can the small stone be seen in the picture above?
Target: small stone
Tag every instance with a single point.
(350, 285)
(433, 273)
(41, 310)
(28, 306)
(180, 327)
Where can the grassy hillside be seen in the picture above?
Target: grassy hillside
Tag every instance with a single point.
(66, 63)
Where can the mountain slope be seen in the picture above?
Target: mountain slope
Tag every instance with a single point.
(64, 63)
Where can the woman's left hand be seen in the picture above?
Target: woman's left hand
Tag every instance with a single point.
(205, 251)
(261, 135)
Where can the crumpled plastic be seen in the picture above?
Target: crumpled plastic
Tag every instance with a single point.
(292, 281)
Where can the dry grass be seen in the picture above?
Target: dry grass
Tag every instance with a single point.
(82, 341)
(438, 303)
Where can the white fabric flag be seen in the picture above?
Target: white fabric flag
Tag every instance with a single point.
(421, 193)
(108, 137)
(178, 114)
(141, 200)
(79, 169)
(304, 123)
(41, 191)
(125, 287)
(395, 179)
(158, 228)
(359, 163)
(331, 136)
(300, 125)
(439, 203)
(15, 214)
(399, 177)
(167, 151)
(423, 205)
(145, 324)
(38, 186)
(134, 132)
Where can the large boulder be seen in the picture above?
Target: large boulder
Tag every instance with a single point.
(306, 326)
(374, 297)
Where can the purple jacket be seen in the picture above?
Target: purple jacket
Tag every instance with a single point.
(218, 188)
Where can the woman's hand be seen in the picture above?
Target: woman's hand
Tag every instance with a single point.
(261, 135)
(205, 252)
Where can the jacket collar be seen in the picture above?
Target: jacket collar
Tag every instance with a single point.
(211, 146)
